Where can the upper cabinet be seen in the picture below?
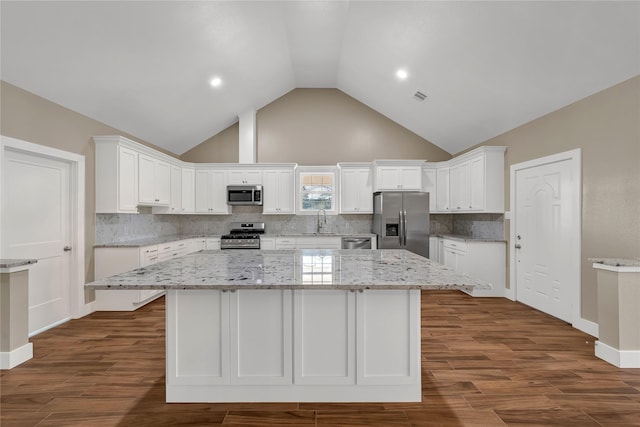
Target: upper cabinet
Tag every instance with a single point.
(472, 182)
(429, 183)
(116, 176)
(244, 177)
(154, 182)
(211, 191)
(277, 187)
(402, 175)
(188, 190)
(356, 188)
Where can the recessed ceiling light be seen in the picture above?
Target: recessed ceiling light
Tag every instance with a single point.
(215, 82)
(401, 74)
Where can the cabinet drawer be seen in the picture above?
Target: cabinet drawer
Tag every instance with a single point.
(455, 245)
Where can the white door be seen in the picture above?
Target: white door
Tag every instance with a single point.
(37, 225)
(546, 237)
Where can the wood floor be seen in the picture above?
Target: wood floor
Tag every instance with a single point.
(486, 362)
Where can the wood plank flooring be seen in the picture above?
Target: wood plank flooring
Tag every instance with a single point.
(486, 362)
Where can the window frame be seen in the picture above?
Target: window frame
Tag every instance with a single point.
(303, 171)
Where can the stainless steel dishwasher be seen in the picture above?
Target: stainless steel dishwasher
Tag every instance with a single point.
(356, 243)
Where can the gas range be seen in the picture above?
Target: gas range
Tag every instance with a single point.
(243, 235)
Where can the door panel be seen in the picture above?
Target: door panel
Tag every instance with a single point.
(543, 234)
(36, 225)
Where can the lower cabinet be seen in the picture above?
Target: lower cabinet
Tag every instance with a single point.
(302, 345)
(484, 260)
(116, 260)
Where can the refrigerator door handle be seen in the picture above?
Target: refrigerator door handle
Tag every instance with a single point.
(400, 228)
(404, 228)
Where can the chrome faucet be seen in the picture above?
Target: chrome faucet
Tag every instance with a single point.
(320, 224)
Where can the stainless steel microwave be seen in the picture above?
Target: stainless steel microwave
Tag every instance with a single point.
(244, 195)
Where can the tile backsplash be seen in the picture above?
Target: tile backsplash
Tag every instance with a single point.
(113, 228)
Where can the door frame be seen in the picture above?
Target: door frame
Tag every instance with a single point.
(575, 162)
(77, 306)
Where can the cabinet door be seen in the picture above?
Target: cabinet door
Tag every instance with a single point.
(213, 243)
(245, 177)
(270, 192)
(175, 204)
(324, 337)
(267, 243)
(410, 178)
(146, 167)
(433, 249)
(188, 191)
(261, 347)
(127, 180)
(388, 337)
(442, 192)
(460, 187)
(219, 192)
(429, 186)
(349, 193)
(202, 192)
(198, 334)
(387, 178)
(285, 192)
(476, 184)
(162, 182)
(365, 191)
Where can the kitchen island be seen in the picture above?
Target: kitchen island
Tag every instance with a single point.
(305, 325)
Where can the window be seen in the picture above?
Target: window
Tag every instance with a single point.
(317, 191)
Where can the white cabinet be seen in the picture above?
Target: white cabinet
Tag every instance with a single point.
(260, 337)
(110, 261)
(324, 350)
(356, 189)
(242, 177)
(433, 248)
(267, 243)
(213, 243)
(116, 175)
(460, 186)
(275, 345)
(384, 356)
(171, 250)
(154, 181)
(285, 243)
(175, 203)
(484, 260)
(472, 182)
(455, 256)
(429, 185)
(406, 178)
(278, 191)
(318, 242)
(188, 190)
(198, 244)
(442, 189)
(211, 192)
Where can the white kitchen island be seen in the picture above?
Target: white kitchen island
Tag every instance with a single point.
(293, 326)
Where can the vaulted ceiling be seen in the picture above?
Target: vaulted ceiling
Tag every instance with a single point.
(486, 67)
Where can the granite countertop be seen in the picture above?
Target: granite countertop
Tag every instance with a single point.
(294, 234)
(289, 269)
(463, 238)
(13, 263)
(137, 243)
(616, 262)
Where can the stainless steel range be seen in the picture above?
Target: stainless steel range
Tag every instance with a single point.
(243, 235)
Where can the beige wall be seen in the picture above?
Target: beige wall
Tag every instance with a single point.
(606, 126)
(220, 148)
(31, 118)
(320, 127)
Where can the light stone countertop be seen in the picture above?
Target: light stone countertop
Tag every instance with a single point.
(289, 269)
(138, 243)
(616, 262)
(13, 263)
(462, 238)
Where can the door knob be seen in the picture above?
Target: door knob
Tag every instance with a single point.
(517, 246)
(66, 248)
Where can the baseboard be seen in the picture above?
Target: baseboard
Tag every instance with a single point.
(11, 359)
(85, 310)
(510, 293)
(46, 328)
(587, 326)
(619, 358)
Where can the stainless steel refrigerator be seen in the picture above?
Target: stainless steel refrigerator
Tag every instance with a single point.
(401, 220)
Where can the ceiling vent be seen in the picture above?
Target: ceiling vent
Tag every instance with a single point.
(419, 96)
